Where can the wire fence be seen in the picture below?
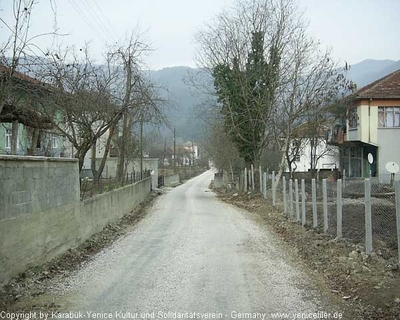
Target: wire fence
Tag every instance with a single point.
(363, 211)
(90, 187)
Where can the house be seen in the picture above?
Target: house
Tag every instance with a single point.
(24, 130)
(322, 156)
(186, 154)
(310, 151)
(192, 150)
(371, 137)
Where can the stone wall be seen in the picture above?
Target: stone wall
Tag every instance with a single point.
(41, 215)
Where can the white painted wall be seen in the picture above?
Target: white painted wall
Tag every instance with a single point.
(328, 160)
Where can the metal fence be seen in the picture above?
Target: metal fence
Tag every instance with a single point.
(160, 182)
(90, 188)
(365, 211)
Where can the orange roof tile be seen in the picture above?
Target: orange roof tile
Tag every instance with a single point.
(387, 87)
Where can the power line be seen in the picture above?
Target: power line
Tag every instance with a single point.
(102, 13)
(85, 18)
(97, 20)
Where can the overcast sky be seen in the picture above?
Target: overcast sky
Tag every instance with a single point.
(355, 29)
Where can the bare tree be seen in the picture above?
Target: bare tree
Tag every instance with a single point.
(79, 102)
(130, 95)
(310, 81)
(19, 51)
(243, 51)
(19, 55)
(270, 78)
(221, 150)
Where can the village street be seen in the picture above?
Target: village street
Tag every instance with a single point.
(193, 255)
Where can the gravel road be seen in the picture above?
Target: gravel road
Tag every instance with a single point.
(194, 256)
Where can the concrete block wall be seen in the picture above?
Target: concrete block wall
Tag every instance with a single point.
(97, 212)
(41, 215)
(35, 184)
(170, 180)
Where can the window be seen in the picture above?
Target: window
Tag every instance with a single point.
(353, 118)
(8, 138)
(352, 161)
(355, 152)
(389, 117)
(53, 141)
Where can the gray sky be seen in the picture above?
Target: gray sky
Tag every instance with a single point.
(355, 29)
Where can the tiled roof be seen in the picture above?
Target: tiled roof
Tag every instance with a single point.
(385, 88)
(20, 76)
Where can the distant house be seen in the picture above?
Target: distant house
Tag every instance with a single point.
(24, 130)
(186, 155)
(372, 127)
(310, 150)
(323, 156)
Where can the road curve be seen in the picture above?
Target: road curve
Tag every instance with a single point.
(193, 255)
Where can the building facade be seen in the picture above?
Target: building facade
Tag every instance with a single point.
(371, 137)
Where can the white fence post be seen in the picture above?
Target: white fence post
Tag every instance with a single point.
(264, 185)
(284, 195)
(245, 179)
(261, 179)
(303, 202)
(368, 218)
(252, 178)
(397, 192)
(339, 210)
(344, 178)
(314, 203)
(325, 204)
(296, 190)
(291, 198)
(273, 189)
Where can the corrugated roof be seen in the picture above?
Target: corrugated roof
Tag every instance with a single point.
(387, 87)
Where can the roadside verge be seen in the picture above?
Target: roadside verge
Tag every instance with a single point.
(365, 283)
(29, 291)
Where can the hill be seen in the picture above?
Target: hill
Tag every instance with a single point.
(369, 70)
(186, 102)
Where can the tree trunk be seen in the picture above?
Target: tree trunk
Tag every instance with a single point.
(81, 160)
(96, 176)
(80, 155)
(121, 158)
(2, 102)
(97, 173)
(282, 164)
(289, 163)
(14, 137)
(34, 132)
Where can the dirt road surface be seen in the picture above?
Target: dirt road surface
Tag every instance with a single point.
(194, 256)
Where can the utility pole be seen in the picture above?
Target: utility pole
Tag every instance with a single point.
(192, 154)
(174, 151)
(165, 146)
(141, 146)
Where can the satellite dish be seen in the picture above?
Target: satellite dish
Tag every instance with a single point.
(392, 167)
(370, 158)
